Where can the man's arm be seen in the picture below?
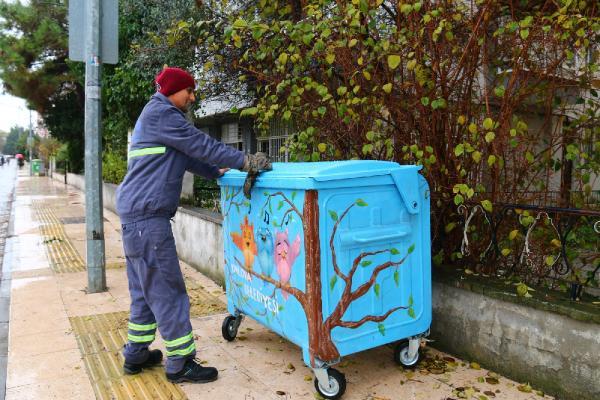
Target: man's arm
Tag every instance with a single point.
(197, 167)
(177, 132)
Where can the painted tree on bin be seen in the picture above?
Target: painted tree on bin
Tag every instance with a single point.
(321, 345)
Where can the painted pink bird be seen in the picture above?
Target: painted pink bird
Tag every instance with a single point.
(285, 255)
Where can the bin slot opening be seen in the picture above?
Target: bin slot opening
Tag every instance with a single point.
(376, 234)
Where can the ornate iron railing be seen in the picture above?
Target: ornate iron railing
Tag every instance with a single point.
(558, 248)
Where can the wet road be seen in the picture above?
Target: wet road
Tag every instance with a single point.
(8, 173)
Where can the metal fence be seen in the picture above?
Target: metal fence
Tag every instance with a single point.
(553, 247)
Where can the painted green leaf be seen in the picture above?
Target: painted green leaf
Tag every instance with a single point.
(377, 289)
(411, 301)
(393, 61)
(381, 328)
(332, 282)
(333, 215)
(361, 203)
(280, 205)
(293, 195)
(411, 313)
(411, 249)
(366, 263)
(397, 278)
(394, 251)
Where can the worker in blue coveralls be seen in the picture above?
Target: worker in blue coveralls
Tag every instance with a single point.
(164, 145)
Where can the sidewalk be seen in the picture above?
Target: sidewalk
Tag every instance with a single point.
(65, 344)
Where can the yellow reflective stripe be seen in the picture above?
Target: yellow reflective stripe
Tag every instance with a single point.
(146, 151)
(140, 339)
(180, 341)
(138, 327)
(182, 352)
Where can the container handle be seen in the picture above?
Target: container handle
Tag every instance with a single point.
(374, 235)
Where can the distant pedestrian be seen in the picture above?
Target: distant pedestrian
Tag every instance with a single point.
(164, 145)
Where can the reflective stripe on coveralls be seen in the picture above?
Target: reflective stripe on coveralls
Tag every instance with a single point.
(146, 151)
(173, 344)
(141, 333)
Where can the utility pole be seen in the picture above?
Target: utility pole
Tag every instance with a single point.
(93, 150)
(30, 143)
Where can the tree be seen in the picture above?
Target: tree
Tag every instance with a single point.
(448, 85)
(16, 141)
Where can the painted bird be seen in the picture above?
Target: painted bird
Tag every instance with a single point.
(264, 258)
(285, 255)
(246, 243)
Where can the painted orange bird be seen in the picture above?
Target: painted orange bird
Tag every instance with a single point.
(246, 243)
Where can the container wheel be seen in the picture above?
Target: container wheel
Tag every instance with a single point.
(401, 355)
(337, 385)
(229, 328)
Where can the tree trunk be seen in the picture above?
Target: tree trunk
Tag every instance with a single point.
(319, 338)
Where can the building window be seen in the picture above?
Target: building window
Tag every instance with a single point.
(231, 135)
(272, 146)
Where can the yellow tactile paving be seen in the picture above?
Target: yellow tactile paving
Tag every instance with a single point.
(100, 339)
(62, 255)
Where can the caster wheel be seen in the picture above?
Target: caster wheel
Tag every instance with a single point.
(337, 383)
(401, 355)
(228, 329)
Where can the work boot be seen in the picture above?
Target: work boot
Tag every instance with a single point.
(154, 358)
(193, 372)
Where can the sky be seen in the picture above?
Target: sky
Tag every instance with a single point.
(13, 111)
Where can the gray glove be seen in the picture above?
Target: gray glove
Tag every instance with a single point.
(257, 162)
(253, 164)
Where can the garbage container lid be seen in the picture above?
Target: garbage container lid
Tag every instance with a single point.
(321, 175)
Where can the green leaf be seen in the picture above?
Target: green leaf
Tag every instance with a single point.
(458, 199)
(411, 301)
(287, 114)
(397, 278)
(333, 215)
(411, 64)
(366, 263)
(381, 329)
(476, 156)
(490, 136)
(487, 205)
(332, 282)
(505, 252)
(352, 43)
(529, 157)
(549, 260)
(488, 123)
(377, 289)
(491, 160)
(293, 195)
(240, 23)
(322, 147)
(425, 101)
(524, 33)
(411, 313)
(394, 251)
(499, 91)
(459, 150)
(387, 88)
(283, 57)
(513, 234)
(361, 203)
(280, 205)
(251, 111)
(330, 58)
(411, 248)
(393, 61)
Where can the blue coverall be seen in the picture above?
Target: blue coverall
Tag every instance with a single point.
(164, 145)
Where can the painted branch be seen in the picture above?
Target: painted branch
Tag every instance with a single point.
(336, 268)
(286, 200)
(372, 318)
(358, 259)
(297, 293)
(233, 202)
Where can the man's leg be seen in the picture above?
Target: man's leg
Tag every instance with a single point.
(165, 292)
(142, 324)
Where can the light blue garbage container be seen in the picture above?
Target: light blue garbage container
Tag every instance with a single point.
(333, 256)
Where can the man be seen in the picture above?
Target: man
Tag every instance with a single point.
(164, 145)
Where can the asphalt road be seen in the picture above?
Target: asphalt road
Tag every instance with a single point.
(8, 173)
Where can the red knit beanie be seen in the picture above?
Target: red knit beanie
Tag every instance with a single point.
(172, 80)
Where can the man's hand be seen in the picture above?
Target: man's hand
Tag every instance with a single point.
(257, 162)
(222, 171)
